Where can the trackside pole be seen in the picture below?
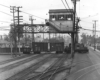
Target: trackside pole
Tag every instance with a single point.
(72, 45)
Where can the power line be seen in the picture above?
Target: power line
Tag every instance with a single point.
(87, 22)
(5, 13)
(4, 26)
(32, 15)
(4, 6)
(86, 29)
(5, 22)
(90, 16)
(64, 4)
(25, 12)
(89, 29)
(67, 4)
(5, 29)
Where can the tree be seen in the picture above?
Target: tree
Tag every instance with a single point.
(87, 39)
(6, 37)
(15, 32)
(84, 38)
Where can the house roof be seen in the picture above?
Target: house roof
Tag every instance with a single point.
(4, 42)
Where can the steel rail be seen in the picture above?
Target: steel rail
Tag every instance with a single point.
(27, 70)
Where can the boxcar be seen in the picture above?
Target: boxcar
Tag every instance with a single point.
(39, 47)
(58, 47)
(26, 50)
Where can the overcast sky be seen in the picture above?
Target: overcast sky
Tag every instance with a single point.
(85, 8)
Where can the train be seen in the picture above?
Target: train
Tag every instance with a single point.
(39, 47)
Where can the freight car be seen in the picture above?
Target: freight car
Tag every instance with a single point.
(38, 47)
(58, 47)
(26, 49)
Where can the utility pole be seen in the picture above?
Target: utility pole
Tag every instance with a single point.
(13, 8)
(73, 34)
(31, 19)
(93, 36)
(77, 29)
(18, 21)
(94, 29)
(18, 25)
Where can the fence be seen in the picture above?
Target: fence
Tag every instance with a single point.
(8, 50)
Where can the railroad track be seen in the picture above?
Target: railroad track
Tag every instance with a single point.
(50, 72)
(85, 71)
(90, 69)
(30, 70)
(17, 63)
(16, 58)
(14, 67)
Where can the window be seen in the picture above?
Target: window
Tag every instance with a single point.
(61, 17)
(52, 17)
(69, 17)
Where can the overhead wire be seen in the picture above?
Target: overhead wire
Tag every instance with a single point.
(87, 22)
(24, 12)
(82, 20)
(5, 22)
(79, 9)
(67, 4)
(27, 13)
(4, 6)
(5, 29)
(88, 29)
(32, 15)
(90, 16)
(5, 13)
(64, 4)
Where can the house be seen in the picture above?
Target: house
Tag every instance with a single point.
(4, 43)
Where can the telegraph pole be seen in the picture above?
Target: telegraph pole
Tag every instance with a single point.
(15, 40)
(72, 34)
(94, 29)
(77, 29)
(18, 21)
(18, 25)
(93, 36)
